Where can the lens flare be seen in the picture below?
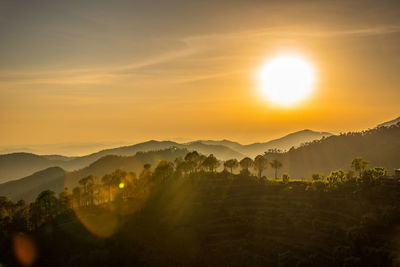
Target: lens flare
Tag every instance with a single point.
(24, 249)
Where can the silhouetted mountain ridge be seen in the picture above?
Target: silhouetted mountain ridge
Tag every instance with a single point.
(30, 187)
(389, 123)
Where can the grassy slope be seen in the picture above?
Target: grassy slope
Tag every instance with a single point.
(220, 220)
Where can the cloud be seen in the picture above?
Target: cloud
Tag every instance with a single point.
(190, 47)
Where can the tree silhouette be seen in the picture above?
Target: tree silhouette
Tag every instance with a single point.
(359, 165)
(317, 177)
(45, 207)
(146, 172)
(260, 164)
(76, 196)
(107, 183)
(285, 178)
(88, 184)
(211, 163)
(246, 163)
(164, 170)
(276, 164)
(193, 160)
(231, 164)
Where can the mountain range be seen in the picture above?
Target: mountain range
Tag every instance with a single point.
(17, 165)
(380, 146)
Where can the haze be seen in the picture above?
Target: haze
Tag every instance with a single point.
(130, 71)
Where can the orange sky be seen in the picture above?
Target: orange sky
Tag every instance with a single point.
(126, 71)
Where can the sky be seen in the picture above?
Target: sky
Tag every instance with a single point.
(103, 72)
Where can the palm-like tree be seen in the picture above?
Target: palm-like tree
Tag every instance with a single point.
(359, 165)
(193, 160)
(260, 164)
(211, 163)
(231, 164)
(276, 164)
(246, 163)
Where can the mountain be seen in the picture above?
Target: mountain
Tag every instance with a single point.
(379, 146)
(30, 187)
(110, 163)
(16, 165)
(389, 123)
(227, 143)
(284, 143)
(55, 178)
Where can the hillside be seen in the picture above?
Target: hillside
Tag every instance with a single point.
(380, 146)
(55, 178)
(28, 188)
(284, 143)
(389, 123)
(17, 165)
(219, 219)
(110, 163)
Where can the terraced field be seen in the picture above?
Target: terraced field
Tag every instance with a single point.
(230, 220)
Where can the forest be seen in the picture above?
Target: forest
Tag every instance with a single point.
(198, 210)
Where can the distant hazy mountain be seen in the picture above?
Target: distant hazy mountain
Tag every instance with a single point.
(389, 123)
(380, 146)
(110, 163)
(29, 188)
(56, 179)
(283, 143)
(17, 165)
(286, 142)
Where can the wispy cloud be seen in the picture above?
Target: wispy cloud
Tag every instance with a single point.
(191, 47)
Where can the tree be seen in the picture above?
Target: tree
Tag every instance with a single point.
(164, 170)
(118, 181)
(373, 176)
(231, 164)
(146, 172)
(317, 177)
(260, 164)
(193, 160)
(64, 199)
(89, 187)
(276, 164)
(211, 163)
(107, 183)
(335, 178)
(359, 165)
(76, 196)
(44, 208)
(285, 178)
(246, 163)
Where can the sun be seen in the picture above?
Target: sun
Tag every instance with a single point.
(287, 79)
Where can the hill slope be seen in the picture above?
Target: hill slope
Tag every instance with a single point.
(284, 143)
(380, 146)
(389, 123)
(30, 187)
(16, 165)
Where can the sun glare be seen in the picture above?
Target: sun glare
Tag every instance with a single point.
(286, 80)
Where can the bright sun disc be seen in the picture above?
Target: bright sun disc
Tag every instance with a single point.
(287, 79)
